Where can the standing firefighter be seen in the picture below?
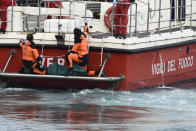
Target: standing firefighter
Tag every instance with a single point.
(121, 17)
(3, 12)
(30, 57)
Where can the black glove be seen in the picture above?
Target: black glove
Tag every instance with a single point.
(38, 59)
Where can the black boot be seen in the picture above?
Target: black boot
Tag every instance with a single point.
(70, 72)
(117, 36)
(122, 36)
(2, 31)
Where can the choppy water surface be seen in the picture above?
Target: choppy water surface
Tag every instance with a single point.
(161, 109)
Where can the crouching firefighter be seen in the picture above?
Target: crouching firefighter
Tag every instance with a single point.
(30, 57)
(79, 52)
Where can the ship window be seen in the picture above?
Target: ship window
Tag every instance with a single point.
(33, 3)
(172, 10)
(187, 49)
(181, 10)
(178, 10)
(95, 8)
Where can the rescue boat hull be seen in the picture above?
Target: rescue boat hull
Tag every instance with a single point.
(142, 68)
(59, 82)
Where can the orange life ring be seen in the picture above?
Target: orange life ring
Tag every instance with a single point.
(107, 17)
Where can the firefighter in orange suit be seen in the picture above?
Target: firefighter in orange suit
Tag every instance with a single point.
(121, 18)
(30, 56)
(79, 52)
(3, 12)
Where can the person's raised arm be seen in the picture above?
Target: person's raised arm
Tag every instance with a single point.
(86, 30)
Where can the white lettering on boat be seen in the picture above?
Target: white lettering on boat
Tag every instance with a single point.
(48, 61)
(158, 68)
(61, 61)
(185, 62)
(182, 63)
(171, 66)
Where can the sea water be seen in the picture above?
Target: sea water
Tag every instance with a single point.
(155, 109)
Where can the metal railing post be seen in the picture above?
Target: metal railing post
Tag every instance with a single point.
(38, 18)
(148, 17)
(159, 22)
(191, 14)
(135, 18)
(170, 16)
(12, 19)
(130, 19)
(85, 10)
(59, 25)
(181, 8)
(113, 15)
(70, 9)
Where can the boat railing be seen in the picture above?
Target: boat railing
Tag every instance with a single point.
(35, 19)
(143, 20)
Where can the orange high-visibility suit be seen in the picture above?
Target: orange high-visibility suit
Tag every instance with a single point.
(79, 52)
(3, 9)
(30, 56)
(80, 47)
(29, 53)
(121, 19)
